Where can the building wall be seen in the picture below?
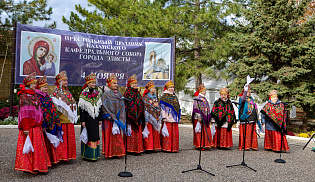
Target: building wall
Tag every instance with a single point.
(5, 71)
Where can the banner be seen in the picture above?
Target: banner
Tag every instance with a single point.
(50, 51)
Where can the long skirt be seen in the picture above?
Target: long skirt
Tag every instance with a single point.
(273, 141)
(170, 143)
(153, 140)
(113, 145)
(251, 137)
(205, 137)
(223, 138)
(135, 142)
(91, 150)
(67, 149)
(33, 162)
(52, 151)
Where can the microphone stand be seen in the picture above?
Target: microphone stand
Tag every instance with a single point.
(282, 128)
(243, 161)
(199, 165)
(309, 141)
(125, 173)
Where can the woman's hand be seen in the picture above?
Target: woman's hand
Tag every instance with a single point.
(99, 122)
(83, 124)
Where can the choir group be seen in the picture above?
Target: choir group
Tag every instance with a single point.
(144, 122)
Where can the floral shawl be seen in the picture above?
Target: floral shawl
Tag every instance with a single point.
(65, 103)
(90, 101)
(275, 113)
(152, 114)
(51, 119)
(29, 109)
(134, 108)
(223, 112)
(202, 108)
(170, 101)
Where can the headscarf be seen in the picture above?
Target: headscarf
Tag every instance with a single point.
(275, 112)
(170, 101)
(203, 108)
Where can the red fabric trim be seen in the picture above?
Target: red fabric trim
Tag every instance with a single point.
(25, 91)
(196, 93)
(145, 92)
(84, 86)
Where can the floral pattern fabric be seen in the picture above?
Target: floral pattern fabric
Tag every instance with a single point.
(276, 113)
(134, 108)
(51, 118)
(223, 112)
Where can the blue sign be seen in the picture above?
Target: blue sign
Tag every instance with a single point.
(50, 51)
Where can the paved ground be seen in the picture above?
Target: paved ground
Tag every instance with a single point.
(162, 166)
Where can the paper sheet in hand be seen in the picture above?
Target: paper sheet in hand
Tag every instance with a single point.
(249, 79)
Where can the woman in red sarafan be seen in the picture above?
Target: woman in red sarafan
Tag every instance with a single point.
(171, 114)
(30, 125)
(134, 116)
(113, 109)
(67, 111)
(201, 111)
(275, 118)
(248, 112)
(51, 122)
(224, 117)
(152, 110)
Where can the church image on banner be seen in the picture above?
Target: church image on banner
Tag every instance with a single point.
(156, 64)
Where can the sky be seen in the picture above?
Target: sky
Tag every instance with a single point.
(61, 8)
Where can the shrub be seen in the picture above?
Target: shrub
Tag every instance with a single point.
(10, 121)
(5, 112)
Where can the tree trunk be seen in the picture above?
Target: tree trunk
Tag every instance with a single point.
(304, 125)
(198, 78)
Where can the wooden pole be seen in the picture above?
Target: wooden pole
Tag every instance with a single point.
(12, 68)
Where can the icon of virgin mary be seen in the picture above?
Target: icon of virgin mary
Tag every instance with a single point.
(40, 51)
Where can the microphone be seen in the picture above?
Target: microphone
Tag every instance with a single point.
(234, 102)
(124, 98)
(284, 103)
(197, 100)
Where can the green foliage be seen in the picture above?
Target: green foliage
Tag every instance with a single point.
(9, 121)
(199, 28)
(277, 51)
(24, 12)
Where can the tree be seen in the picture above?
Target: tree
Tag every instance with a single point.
(22, 12)
(309, 11)
(278, 52)
(199, 27)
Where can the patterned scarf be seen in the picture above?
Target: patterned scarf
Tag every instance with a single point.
(171, 101)
(152, 113)
(90, 101)
(134, 108)
(64, 94)
(202, 108)
(51, 119)
(114, 107)
(29, 106)
(223, 112)
(275, 113)
(248, 109)
(65, 103)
